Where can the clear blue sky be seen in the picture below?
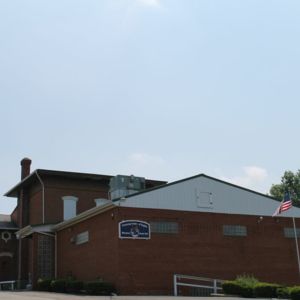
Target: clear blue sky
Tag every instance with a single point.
(164, 89)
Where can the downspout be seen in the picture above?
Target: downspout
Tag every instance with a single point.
(43, 195)
(19, 263)
(55, 256)
(20, 202)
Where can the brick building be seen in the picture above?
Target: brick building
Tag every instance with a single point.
(88, 227)
(8, 248)
(46, 198)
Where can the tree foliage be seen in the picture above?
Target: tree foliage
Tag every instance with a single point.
(290, 182)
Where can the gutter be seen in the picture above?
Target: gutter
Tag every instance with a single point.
(30, 229)
(43, 194)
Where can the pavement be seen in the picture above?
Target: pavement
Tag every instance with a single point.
(9, 295)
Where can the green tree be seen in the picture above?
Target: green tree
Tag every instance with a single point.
(290, 182)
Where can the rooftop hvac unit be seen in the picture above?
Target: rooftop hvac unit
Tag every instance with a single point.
(122, 185)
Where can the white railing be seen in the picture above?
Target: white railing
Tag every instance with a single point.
(202, 282)
(11, 283)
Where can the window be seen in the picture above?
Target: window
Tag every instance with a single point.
(82, 238)
(234, 230)
(289, 232)
(70, 207)
(164, 227)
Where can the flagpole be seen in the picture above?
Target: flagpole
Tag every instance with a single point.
(296, 241)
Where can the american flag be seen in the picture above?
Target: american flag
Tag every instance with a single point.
(285, 204)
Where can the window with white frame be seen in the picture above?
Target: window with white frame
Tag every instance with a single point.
(70, 207)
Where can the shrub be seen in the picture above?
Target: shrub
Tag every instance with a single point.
(44, 284)
(266, 290)
(99, 288)
(283, 292)
(295, 293)
(242, 286)
(74, 286)
(235, 288)
(247, 291)
(246, 280)
(58, 285)
(231, 288)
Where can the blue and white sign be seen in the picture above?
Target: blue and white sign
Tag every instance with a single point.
(134, 229)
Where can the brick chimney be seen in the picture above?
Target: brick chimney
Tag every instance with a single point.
(25, 167)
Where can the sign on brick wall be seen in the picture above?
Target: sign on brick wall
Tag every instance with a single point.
(134, 229)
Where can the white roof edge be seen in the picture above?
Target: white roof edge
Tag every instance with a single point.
(29, 229)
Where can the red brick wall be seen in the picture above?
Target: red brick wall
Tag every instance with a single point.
(92, 260)
(85, 190)
(201, 249)
(30, 210)
(14, 216)
(35, 207)
(147, 266)
(56, 187)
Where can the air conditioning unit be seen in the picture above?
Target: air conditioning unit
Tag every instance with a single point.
(122, 185)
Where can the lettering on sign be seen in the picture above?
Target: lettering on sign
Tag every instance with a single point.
(134, 229)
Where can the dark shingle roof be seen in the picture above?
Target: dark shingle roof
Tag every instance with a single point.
(75, 175)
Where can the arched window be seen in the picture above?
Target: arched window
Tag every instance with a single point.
(70, 207)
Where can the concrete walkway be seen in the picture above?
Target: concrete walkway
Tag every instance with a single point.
(8, 295)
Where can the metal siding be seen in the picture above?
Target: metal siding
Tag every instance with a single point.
(225, 199)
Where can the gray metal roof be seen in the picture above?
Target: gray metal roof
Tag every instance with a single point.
(202, 193)
(5, 218)
(6, 222)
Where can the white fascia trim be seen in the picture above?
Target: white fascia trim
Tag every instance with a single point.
(28, 230)
(84, 215)
(21, 233)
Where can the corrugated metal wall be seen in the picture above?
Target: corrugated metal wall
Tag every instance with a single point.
(205, 194)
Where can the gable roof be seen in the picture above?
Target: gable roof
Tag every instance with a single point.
(31, 178)
(193, 177)
(139, 204)
(202, 193)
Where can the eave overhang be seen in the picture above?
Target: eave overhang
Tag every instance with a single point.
(30, 229)
(13, 192)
